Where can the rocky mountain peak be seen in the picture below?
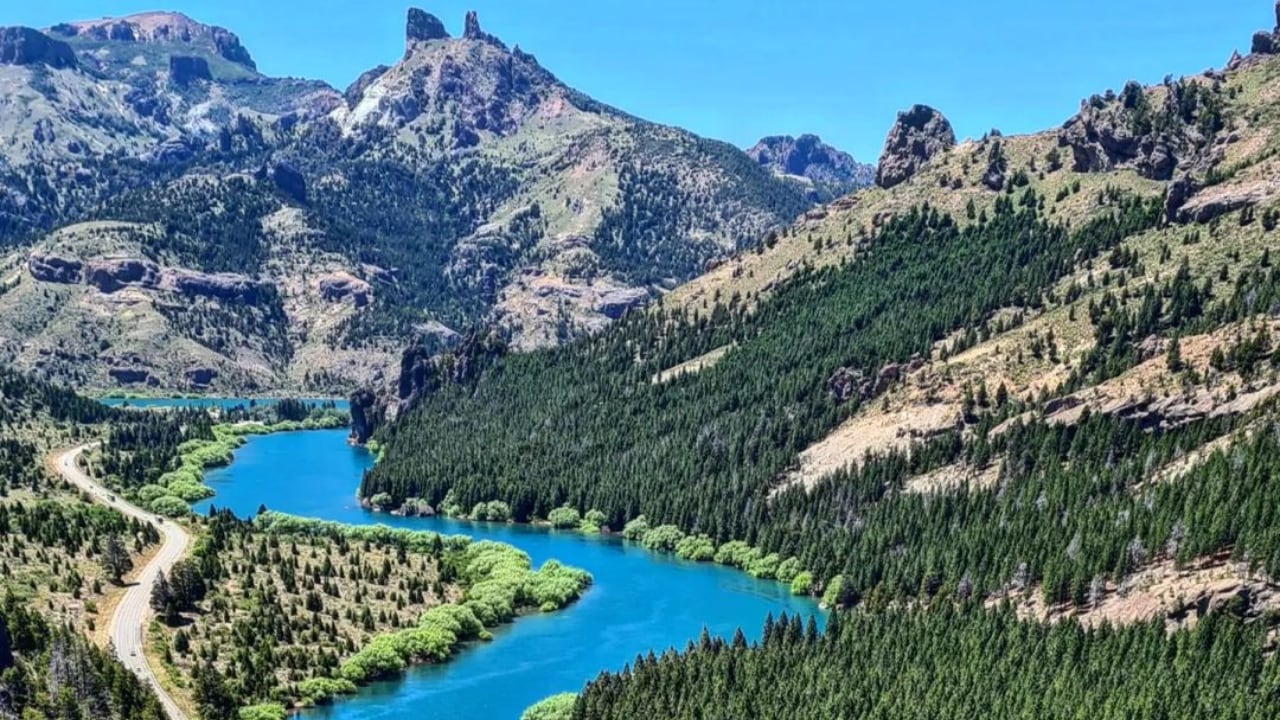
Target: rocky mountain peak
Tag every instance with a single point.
(421, 26)
(472, 29)
(27, 46)
(167, 28)
(831, 171)
(919, 134)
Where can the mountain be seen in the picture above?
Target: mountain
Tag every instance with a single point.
(1038, 369)
(172, 218)
(826, 172)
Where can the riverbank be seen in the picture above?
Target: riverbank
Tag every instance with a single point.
(662, 539)
(328, 613)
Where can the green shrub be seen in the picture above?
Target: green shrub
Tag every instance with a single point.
(764, 567)
(265, 711)
(314, 691)
(147, 493)
(699, 548)
(492, 511)
(635, 530)
(564, 518)
(736, 553)
(170, 506)
(831, 596)
(663, 538)
(802, 583)
(556, 707)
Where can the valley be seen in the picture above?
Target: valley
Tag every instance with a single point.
(462, 393)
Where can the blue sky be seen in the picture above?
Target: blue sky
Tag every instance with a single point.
(738, 70)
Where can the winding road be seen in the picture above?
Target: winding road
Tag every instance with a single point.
(129, 623)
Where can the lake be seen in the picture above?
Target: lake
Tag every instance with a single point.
(640, 601)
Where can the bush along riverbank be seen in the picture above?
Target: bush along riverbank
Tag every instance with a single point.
(331, 607)
(667, 539)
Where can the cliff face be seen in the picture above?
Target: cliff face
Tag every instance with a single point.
(25, 46)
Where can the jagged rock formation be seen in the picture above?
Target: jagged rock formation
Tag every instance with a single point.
(25, 46)
(830, 172)
(1128, 131)
(918, 135)
(422, 26)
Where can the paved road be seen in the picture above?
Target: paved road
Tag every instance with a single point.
(133, 614)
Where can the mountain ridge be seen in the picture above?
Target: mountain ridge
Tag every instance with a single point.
(527, 205)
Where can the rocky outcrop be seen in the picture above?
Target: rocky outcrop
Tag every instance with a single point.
(829, 169)
(849, 383)
(185, 70)
(48, 267)
(616, 303)
(471, 30)
(200, 378)
(367, 414)
(918, 136)
(25, 46)
(355, 91)
(220, 286)
(166, 28)
(993, 177)
(1222, 199)
(1129, 130)
(1180, 191)
(112, 274)
(287, 179)
(420, 27)
(342, 287)
(174, 150)
(132, 376)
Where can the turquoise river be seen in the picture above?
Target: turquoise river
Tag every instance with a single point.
(640, 601)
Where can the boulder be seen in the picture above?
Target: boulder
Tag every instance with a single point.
(25, 46)
(616, 303)
(919, 134)
(342, 286)
(185, 70)
(48, 267)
